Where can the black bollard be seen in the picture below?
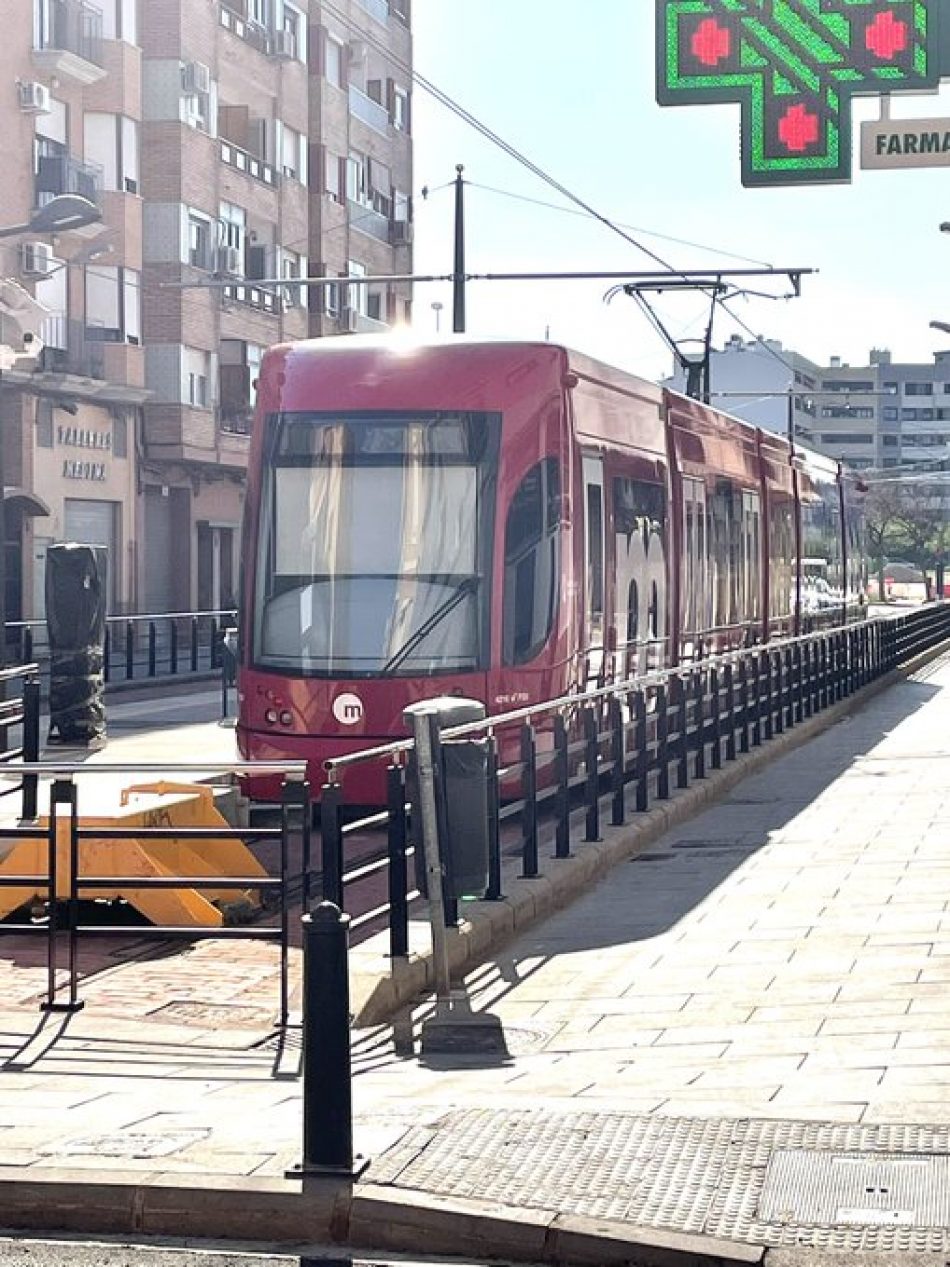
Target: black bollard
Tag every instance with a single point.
(327, 1088)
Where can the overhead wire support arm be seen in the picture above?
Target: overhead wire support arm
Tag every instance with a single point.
(701, 279)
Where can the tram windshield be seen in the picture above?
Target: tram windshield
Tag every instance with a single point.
(374, 545)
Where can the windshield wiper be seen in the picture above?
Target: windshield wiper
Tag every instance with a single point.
(466, 587)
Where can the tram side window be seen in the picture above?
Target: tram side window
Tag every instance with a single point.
(531, 563)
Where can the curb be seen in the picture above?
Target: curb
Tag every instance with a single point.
(366, 1217)
(381, 987)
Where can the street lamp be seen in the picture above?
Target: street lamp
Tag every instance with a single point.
(61, 214)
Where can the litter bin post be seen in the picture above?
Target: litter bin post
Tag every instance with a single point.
(76, 595)
(451, 806)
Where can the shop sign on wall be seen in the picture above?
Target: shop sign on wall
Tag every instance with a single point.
(84, 438)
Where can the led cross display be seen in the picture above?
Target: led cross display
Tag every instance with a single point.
(794, 66)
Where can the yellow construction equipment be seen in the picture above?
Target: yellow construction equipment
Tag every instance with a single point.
(170, 805)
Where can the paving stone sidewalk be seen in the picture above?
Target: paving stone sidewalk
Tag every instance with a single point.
(773, 976)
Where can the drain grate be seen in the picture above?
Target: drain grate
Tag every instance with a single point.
(130, 1144)
(857, 1188)
(214, 1015)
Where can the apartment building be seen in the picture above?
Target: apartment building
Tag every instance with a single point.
(229, 143)
(71, 124)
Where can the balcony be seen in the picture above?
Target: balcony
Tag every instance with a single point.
(368, 220)
(69, 41)
(238, 25)
(378, 9)
(254, 297)
(369, 111)
(67, 349)
(62, 174)
(245, 161)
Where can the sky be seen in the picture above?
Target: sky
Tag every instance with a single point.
(572, 86)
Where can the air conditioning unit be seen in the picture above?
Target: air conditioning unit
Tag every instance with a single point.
(34, 98)
(36, 259)
(400, 232)
(196, 77)
(349, 319)
(228, 261)
(283, 44)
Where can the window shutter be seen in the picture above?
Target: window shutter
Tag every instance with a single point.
(235, 387)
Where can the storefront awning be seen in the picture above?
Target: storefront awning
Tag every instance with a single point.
(25, 501)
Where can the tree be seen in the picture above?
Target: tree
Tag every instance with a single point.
(884, 511)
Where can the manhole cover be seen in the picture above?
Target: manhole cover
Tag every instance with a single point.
(225, 1015)
(857, 1188)
(131, 1145)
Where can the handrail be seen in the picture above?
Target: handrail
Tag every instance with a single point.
(655, 677)
(114, 619)
(294, 771)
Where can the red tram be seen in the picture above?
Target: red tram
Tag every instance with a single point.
(510, 522)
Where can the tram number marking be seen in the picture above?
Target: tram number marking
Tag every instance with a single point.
(348, 710)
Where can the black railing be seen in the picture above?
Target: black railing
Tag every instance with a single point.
(66, 884)
(554, 770)
(141, 648)
(21, 713)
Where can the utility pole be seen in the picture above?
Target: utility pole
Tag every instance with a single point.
(458, 276)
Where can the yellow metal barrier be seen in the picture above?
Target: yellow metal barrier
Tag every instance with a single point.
(179, 805)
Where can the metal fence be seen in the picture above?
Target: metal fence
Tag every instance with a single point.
(556, 770)
(141, 648)
(21, 713)
(66, 884)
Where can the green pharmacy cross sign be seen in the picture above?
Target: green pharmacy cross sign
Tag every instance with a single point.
(794, 65)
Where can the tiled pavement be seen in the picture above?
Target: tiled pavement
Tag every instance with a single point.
(784, 957)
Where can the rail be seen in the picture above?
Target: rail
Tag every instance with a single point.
(20, 713)
(61, 924)
(556, 768)
(141, 648)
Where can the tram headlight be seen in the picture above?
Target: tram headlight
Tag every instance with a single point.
(271, 717)
(286, 718)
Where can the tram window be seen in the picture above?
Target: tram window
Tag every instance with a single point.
(595, 547)
(532, 560)
(633, 612)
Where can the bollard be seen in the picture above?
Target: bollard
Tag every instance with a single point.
(327, 1084)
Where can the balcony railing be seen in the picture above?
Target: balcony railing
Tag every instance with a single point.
(72, 26)
(247, 162)
(378, 9)
(62, 174)
(238, 25)
(237, 423)
(370, 111)
(69, 349)
(254, 297)
(368, 220)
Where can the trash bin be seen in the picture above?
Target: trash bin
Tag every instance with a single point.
(464, 777)
(76, 624)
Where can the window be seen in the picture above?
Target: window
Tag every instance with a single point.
(891, 442)
(113, 304)
(846, 385)
(532, 560)
(918, 389)
(890, 414)
(296, 27)
(333, 61)
(400, 118)
(200, 253)
(292, 265)
(357, 181)
(331, 176)
(293, 154)
(234, 230)
(844, 438)
(356, 296)
(258, 12)
(111, 142)
(332, 300)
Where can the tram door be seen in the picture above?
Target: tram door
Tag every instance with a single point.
(594, 615)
